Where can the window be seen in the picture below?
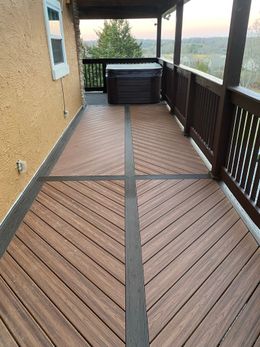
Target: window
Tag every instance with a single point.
(205, 35)
(54, 28)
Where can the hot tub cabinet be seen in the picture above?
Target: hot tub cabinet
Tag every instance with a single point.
(133, 83)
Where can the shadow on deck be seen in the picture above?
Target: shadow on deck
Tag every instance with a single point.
(129, 240)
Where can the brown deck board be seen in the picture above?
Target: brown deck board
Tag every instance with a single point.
(246, 328)
(179, 328)
(60, 330)
(194, 223)
(19, 320)
(219, 319)
(87, 291)
(90, 232)
(63, 276)
(157, 140)
(195, 238)
(73, 211)
(6, 339)
(96, 146)
(94, 272)
(74, 309)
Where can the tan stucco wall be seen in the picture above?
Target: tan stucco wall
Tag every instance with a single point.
(31, 103)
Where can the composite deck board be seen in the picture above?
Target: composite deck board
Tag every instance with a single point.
(192, 310)
(157, 140)
(63, 275)
(19, 321)
(73, 211)
(246, 327)
(6, 339)
(66, 271)
(194, 222)
(96, 146)
(80, 233)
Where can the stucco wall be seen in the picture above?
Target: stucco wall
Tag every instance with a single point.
(31, 103)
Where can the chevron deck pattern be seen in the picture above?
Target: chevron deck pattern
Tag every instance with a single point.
(159, 146)
(200, 265)
(97, 145)
(65, 277)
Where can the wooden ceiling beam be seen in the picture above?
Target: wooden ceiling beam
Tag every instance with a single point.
(118, 12)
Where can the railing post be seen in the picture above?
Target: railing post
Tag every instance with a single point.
(177, 46)
(104, 65)
(234, 60)
(159, 35)
(189, 104)
(163, 87)
(178, 33)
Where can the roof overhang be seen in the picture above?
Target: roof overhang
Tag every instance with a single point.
(115, 9)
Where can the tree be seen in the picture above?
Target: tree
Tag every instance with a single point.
(116, 41)
(250, 75)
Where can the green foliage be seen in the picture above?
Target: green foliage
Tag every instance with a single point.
(115, 41)
(202, 66)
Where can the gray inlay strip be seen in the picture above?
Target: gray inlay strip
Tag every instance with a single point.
(82, 178)
(136, 316)
(173, 177)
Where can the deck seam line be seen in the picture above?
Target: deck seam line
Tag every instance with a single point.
(205, 282)
(87, 255)
(7, 327)
(155, 207)
(72, 242)
(238, 315)
(79, 231)
(137, 334)
(172, 222)
(193, 264)
(202, 254)
(223, 293)
(37, 321)
(77, 215)
(96, 191)
(27, 311)
(157, 251)
(95, 201)
(68, 197)
(179, 203)
(65, 284)
(68, 261)
(39, 202)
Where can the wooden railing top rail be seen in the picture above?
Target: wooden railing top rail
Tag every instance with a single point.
(246, 99)
(118, 60)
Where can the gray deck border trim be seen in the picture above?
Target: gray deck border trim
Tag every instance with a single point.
(13, 219)
(137, 334)
(122, 177)
(83, 178)
(173, 177)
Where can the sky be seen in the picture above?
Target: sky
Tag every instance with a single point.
(202, 18)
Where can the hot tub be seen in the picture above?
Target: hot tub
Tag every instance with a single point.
(133, 83)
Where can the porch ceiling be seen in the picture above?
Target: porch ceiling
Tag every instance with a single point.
(114, 9)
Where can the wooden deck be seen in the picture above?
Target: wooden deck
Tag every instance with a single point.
(65, 276)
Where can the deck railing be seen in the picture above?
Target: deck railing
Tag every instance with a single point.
(95, 70)
(194, 98)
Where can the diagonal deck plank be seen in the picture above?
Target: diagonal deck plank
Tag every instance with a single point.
(96, 146)
(64, 275)
(157, 141)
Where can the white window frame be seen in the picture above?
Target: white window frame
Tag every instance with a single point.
(62, 69)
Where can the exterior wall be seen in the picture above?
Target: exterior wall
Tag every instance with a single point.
(31, 103)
